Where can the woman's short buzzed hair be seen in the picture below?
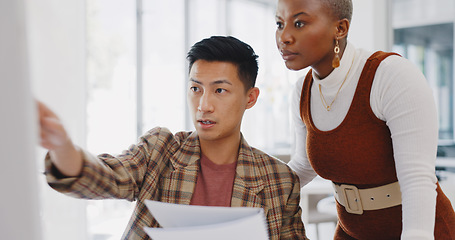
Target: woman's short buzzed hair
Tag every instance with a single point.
(340, 8)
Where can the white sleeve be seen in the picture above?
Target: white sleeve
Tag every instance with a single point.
(299, 159)
(402, 98)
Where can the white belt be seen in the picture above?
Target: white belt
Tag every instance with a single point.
(356, 200)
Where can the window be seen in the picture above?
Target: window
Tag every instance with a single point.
(111, 100)
(267, 125)
(111, 75)
(424, 34)
(431, 48)
(163, 65)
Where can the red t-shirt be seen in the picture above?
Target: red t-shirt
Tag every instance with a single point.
(214, 183)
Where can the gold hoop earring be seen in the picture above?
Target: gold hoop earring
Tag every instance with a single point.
(336, 59)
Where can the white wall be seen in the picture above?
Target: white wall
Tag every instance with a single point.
(370, 25)
(19, 202)
(57, 70)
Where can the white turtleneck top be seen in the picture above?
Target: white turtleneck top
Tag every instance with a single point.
(401, 97)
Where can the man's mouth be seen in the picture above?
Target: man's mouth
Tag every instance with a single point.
(206, 122)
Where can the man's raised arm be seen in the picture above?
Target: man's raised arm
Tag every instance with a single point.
(63, 153)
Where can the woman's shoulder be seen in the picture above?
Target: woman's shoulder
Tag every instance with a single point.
(400, 68)
(393, 66)
(392, 61)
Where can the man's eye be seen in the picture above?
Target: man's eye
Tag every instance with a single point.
(220, 90)
(194, 89)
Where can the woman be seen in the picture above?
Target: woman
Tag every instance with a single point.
(365, 121)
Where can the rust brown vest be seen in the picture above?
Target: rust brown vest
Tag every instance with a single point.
(359, 152)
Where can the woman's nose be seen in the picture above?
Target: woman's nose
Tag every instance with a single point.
(284, 36)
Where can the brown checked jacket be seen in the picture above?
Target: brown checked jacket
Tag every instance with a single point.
(164, 167)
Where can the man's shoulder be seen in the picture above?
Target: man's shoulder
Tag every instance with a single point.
(274, 172)
(165, 133)
(164, 136)
(266, 157)
(270, 163)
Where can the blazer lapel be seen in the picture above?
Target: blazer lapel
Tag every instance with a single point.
(178, 186)
(248, 182)
(180, 183)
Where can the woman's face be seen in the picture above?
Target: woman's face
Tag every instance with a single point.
(305, 35)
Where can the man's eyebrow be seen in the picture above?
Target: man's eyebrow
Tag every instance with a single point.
(212, 83)
(196, 81)
(220, 82)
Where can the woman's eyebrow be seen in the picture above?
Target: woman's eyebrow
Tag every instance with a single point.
(300, 13)
(295, 15)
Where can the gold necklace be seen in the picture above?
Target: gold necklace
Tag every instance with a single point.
(328, 107)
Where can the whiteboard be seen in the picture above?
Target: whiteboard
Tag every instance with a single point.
(19, 202)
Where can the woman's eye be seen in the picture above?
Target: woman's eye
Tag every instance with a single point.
(279, 25)
(299, 24)
(220, 90)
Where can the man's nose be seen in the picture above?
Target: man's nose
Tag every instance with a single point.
(205, 103)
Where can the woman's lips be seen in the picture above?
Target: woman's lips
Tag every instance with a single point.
(288, 55)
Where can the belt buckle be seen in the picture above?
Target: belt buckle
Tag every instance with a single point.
(353, 202)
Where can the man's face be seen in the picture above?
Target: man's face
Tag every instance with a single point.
(217, 100)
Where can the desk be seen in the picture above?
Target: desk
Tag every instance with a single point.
(317, 186)
(445, 162)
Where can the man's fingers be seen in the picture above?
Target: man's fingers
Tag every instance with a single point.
(44, 111)
(52, 132)
(51, 123)
(52, 139)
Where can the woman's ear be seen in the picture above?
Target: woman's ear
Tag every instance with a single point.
(253, 95)
(342, 28)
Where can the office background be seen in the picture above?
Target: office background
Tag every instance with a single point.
(113, 69)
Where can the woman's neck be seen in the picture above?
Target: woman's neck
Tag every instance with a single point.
(326, 68)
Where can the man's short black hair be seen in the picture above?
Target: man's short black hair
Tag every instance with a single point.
(227, 49)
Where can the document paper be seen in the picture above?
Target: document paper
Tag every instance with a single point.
(206, 223)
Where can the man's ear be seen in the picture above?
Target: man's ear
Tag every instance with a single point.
(253, 95)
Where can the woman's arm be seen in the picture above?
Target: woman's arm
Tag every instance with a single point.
(299, 159)
(401, 97)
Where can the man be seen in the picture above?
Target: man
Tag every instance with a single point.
(212, 166)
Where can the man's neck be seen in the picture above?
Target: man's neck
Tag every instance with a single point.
(222, 151)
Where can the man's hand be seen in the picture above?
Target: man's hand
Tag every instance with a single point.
(52, 133)
(53, 136)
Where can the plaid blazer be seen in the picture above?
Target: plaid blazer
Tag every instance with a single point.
(164, 167)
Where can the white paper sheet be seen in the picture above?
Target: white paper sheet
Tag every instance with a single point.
(204, 223)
